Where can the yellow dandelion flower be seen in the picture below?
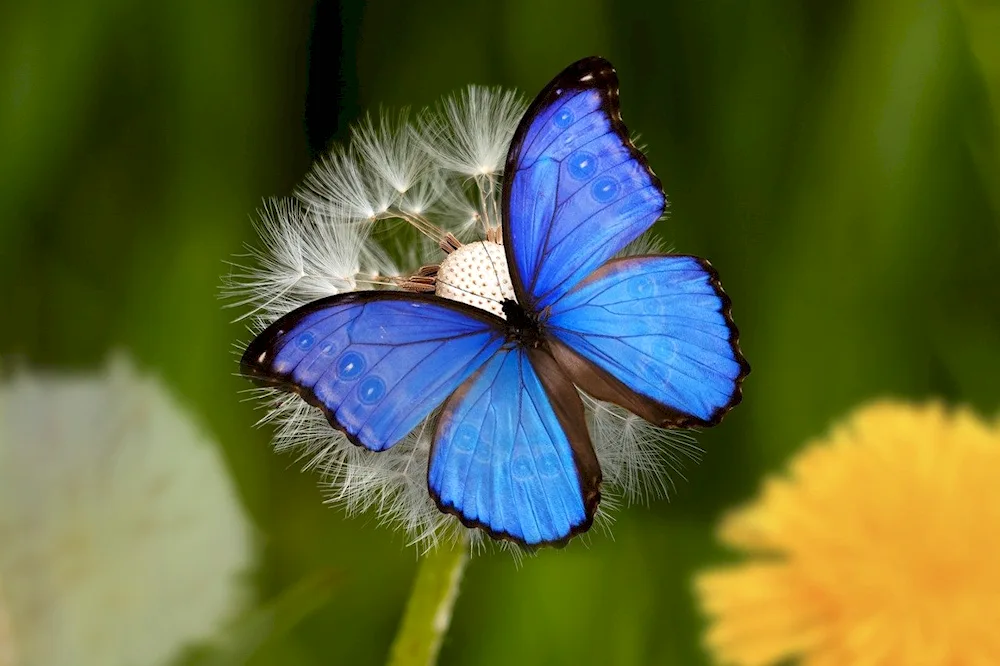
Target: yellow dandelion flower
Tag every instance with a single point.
(880, 547)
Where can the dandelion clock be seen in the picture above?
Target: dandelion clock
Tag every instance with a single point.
(534, 353)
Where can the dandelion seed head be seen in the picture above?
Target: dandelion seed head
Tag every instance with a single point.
(369, 215)
(476, 274)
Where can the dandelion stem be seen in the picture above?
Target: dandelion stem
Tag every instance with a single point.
(428, 612)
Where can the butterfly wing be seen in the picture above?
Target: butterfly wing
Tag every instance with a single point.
(576, 190)
(377, 362)
(511, 453)
(653, 334)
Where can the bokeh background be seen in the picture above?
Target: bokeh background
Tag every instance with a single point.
(837, 161)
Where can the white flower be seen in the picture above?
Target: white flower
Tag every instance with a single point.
(355, 220)
(121, 536)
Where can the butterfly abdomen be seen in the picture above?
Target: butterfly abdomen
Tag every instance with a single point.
(522, 326)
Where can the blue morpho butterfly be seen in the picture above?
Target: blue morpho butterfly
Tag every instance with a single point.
(511, 453)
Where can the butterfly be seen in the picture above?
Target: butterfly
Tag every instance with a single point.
(511, 453)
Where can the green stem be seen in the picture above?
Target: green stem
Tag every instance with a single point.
(428, 612)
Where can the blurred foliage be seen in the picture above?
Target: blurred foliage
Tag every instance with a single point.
(837, 162)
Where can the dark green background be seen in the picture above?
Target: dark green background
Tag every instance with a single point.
(836, 161)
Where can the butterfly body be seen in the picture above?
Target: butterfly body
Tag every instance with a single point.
(511, 452)
(522, 327)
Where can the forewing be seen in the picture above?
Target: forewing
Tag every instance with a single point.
(576, 190)
(377, 362)
(653, 334)
(511, 452)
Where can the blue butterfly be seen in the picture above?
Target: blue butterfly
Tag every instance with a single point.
(511, 453)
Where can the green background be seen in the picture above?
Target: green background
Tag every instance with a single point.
(836, 161)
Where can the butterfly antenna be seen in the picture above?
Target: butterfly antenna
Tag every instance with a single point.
(496, 273)
(471, 293)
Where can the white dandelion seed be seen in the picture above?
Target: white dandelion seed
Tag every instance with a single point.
(464, 209)
(122, 536)
(471, 132)
(391, 151)
(338, 181)
(454, 158)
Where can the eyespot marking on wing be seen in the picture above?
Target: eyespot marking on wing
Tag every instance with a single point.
(371, 389)
(350, 366)
(465, 439)
(604, 189)
(520, 468)
(582, 165)
(641, 287)
(549, 466)
(305, 341)
(563, 119)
